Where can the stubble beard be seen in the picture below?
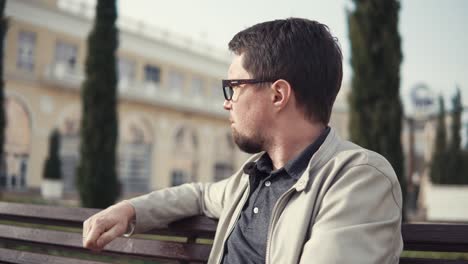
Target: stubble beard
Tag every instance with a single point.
(249, 145)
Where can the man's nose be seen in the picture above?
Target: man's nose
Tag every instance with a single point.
(227, 104)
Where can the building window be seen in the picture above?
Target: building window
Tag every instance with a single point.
(178, 177)
(216, 91)
(70, 155)
(26, 47)
(135, 154)
(14, 176)
(152, 74)
(224, 165)
(66, 54)
(14, 165)
(197, 86)
(126, 69)
(185, 158)
(135, 167)
(176, 81)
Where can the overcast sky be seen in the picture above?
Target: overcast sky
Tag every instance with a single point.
(434, 32)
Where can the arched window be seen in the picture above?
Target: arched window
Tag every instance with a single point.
(224, 157)
(17, 145)
(70, 148)
(135, 152)
(185, 158)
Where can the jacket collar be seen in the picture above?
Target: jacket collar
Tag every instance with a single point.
(318, 160)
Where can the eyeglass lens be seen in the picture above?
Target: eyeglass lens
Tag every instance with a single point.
(228, 92)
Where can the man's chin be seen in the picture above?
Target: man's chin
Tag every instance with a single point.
(245, 144)
(250, 150)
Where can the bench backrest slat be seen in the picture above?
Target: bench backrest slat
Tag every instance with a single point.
(120, 246)
(196, 226)
(22, 257)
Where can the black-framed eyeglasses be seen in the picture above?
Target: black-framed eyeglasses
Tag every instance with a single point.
(228, 85)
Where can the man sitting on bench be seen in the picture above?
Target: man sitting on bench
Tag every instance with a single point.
(307, 196)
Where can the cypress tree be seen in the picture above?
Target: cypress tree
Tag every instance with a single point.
(53, 165)
(466, 143)
(438, 166)
(454, 155)
(3, 29)
(465, 160)
(375, 107)
(97, 176)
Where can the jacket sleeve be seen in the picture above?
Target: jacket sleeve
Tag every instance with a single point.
(359, 220)
(159, 208)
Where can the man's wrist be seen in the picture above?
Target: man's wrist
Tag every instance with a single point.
(131, 218)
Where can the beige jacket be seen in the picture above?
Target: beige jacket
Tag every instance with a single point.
(345, 208)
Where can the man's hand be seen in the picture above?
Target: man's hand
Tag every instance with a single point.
(103, 227)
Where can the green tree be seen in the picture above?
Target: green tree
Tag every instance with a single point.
(375, 107)
(465, 157)
(465, 161)
(97, 176)
(454, 157)
(3, 30)
(466, 143)
(53, 165)
(438, 164)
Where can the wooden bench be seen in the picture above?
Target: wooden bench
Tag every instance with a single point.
(40, 239)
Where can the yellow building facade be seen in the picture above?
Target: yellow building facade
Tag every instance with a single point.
(172, 125)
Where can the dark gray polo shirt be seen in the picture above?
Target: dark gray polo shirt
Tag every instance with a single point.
(247, 242)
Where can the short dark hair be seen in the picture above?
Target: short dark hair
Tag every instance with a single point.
(300, 51)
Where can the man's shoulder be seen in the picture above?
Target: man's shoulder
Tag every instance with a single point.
(354, 155)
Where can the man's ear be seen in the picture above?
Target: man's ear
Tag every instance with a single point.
(282, 93)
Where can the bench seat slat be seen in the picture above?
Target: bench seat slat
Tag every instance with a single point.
(430, 261)
(436, 237)
(436, 247)
(122, 246)
(22, 257)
